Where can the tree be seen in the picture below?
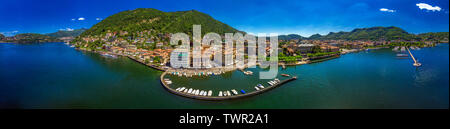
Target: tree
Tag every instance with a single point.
(157, 59)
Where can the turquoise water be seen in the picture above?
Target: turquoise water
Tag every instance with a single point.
(53, 75)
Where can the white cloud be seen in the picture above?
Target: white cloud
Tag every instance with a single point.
(387, 10)
(67, 29)
(81, 19)
(428, 7)
(98, 19)
(73, 19)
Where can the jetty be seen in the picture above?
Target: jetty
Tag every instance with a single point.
(220, 96)
(416, 63)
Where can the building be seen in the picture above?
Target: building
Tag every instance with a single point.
(305, 48)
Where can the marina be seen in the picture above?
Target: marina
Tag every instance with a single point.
(221, 95)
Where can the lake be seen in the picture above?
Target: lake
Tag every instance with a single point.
(54, 75)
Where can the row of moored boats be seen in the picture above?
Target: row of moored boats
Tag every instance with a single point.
(194, 91)
(228, 93)
(199, 92)
(271, 83)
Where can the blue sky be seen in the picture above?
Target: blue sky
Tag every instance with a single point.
(254, 16)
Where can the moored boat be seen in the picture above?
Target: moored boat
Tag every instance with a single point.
(286, 75)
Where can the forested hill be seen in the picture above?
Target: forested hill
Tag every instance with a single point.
(373, 33)
(66, 33)
(30, 38)
(138, 20)
(380, 33)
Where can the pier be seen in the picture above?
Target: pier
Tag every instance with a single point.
(417, 64)
(219, 98)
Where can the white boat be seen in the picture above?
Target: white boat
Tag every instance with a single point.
(209, 93)
(220, 93)
(190, 91)
(256, 88)
(185, 90)
(234, 91)
(228, 93)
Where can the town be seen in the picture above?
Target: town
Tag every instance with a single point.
(155, 51)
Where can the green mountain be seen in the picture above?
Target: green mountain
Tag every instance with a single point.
(138, 20)
(315, 36)
(64, 33)
(373, 33)
(289, 37)
(33, 38)
(434, 36)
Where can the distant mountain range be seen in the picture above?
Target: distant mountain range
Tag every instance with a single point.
(30, 38)
(373, 33)
(59, 36)
(66, 33)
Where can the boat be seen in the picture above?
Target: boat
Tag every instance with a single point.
(256, 88)
(220, 93)
(286, 75)
(228, 93)
(190, 91)
(261, 86)
(234, 91)
(209, 93)
(185, 90)
(242, 91)
(402, 55)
